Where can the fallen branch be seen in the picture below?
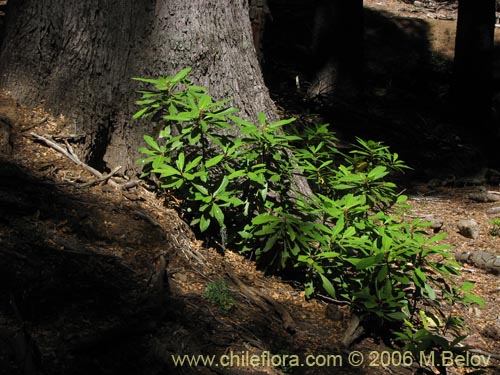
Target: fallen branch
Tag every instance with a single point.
(73, 137)
(103, 178)
(34, 125)
(69, 153)
(131, 184)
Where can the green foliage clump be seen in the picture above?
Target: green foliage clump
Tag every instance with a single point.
(218, 293)
(237, 182)
(495, 230)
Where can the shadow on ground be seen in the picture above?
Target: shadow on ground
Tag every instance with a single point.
(406, 101)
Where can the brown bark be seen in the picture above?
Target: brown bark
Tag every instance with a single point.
(79, 57)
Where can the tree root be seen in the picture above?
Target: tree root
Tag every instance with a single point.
(353, 332)
(263, 301)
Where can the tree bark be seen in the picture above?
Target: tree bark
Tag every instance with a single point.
(473, 62)
(78, 58)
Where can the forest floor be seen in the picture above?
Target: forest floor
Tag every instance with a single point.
(84, 288)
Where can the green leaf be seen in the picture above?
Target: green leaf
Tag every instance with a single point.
(309, 289)
(420, 274)
(263, 219)
(398, 315)
(235, 202)
(216, 212)
(236, 174)
(282, 122)
(366, 262)
(180, 161)
(242, 122)
(175, 184)
(402, 199)
(147, 102)
(224, 112)
(270, 242)
(182, 117)
(377, 173)
(214, 161)
(430, 291)
(339, 226)
(194, 138)
(222, 186)
(436, 238)
(147, 80)
(291, 233)
(204, 101)
(259, 178)
(181, 75)
(382, 274)
(151, 142)
(328, 286)
(193, 163)
(166, 171)
(466, 286)
(327, 255)
(262, 118)
(475, 299)
(146, 151)
(140, 113)
(386, 242)
(266, 230)
(203, 190)
(204, 223)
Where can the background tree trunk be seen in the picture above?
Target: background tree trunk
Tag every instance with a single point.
(473, 62)
(337, 47)
(79, 57)
(351, 48)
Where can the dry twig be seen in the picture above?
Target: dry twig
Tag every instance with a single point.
(69, 153)
(101, 179)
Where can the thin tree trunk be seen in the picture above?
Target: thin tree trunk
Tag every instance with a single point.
(473, 62)
(337, 47)
(351, 48)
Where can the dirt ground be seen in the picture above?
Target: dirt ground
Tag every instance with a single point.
(84, 288)
(79, 264)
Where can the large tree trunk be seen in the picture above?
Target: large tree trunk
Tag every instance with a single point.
(79, 57)
(473, 63)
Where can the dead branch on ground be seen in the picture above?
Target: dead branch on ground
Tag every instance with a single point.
(69, 153)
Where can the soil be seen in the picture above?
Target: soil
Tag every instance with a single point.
(96, 280)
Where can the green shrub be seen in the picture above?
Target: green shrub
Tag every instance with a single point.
(218, 293)
(495, 229)
(343, 239)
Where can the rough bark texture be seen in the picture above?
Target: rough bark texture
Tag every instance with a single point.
(78, 57)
